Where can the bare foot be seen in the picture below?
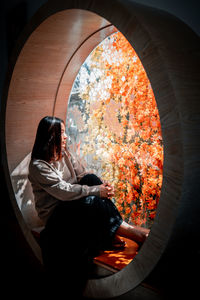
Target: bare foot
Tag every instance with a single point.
(135, 233)
(141, 233)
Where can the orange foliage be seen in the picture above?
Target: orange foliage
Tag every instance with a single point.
(128, 117)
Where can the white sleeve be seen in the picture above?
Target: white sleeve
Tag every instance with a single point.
(42, 175)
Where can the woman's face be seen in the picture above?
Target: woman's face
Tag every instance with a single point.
(63, 137)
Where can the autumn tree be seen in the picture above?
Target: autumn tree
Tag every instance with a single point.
(123, 127)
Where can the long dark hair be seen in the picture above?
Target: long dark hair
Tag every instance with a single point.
(47, 144)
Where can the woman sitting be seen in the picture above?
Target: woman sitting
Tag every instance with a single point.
(79, 218)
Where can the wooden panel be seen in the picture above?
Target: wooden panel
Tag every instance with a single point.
(73, 67)
(37, 74)
(116, 260)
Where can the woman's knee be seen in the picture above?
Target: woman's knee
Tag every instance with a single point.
(91, 179)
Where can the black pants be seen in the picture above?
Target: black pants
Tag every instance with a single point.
(76, 232)
(90, 180)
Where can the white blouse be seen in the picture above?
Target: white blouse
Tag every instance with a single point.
(57, 181)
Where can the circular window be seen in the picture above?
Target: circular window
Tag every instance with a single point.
(114, 127)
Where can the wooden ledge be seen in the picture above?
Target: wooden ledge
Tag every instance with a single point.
(112, 260)
(116, 260)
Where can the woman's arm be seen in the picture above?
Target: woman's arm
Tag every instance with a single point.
(42, 175)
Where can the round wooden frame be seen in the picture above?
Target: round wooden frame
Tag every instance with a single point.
(172, 66)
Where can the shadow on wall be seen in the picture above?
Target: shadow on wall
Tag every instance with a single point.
(16, 19)
(24, 195)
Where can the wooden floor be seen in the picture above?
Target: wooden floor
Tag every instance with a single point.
(118, 259)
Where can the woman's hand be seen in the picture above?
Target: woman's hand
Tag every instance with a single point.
(106, 190)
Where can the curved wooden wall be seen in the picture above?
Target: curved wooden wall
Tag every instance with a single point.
(41, 83)
(169, 52)
(37, 79)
